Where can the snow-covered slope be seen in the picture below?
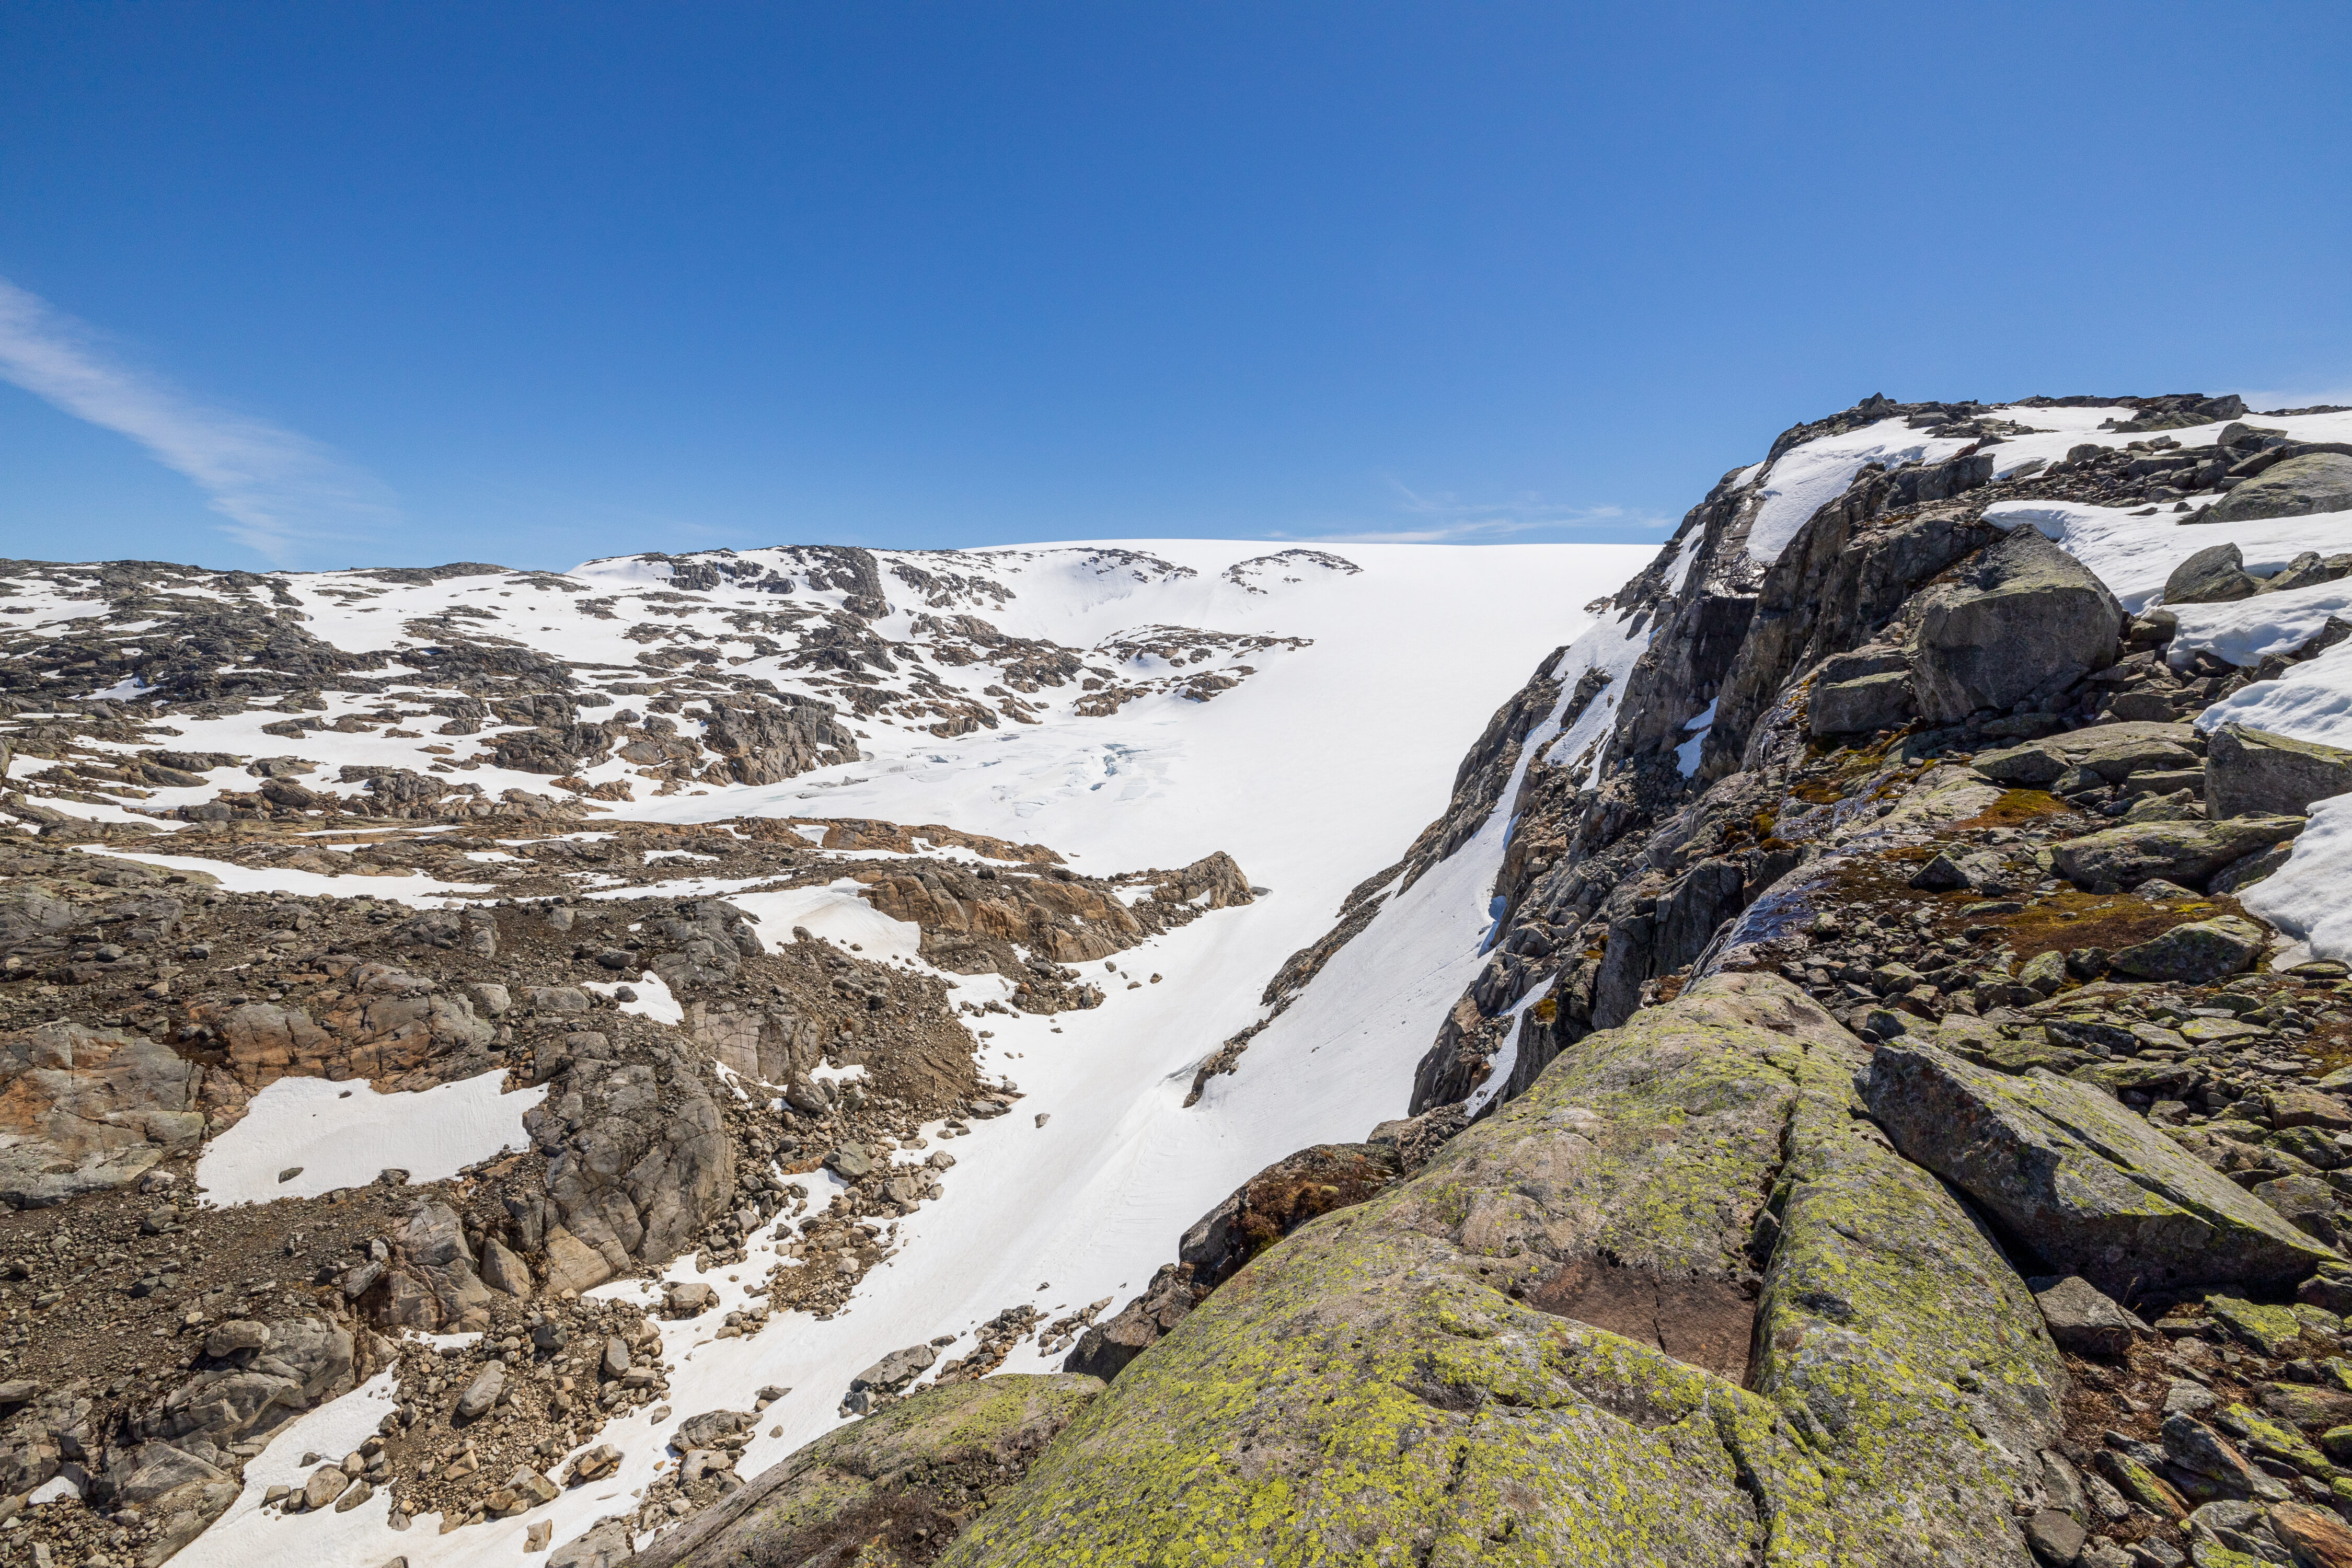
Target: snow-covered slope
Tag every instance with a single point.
(1346, 686)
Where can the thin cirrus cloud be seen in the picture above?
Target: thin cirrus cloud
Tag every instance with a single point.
(1445, 519)
(279, 491)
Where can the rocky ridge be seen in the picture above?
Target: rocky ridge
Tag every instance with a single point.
(1890, 1137)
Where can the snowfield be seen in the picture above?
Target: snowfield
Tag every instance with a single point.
(1310, 773)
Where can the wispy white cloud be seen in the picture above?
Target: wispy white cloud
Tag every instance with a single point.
(1443, 518)
(277, 489)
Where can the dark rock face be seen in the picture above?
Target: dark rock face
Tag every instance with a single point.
(1862, 705)
(647, 1166)
(2023, 622)
(767, 744)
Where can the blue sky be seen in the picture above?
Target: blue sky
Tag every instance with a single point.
(365, 284)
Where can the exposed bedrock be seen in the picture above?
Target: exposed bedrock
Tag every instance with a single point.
(1677, 1303)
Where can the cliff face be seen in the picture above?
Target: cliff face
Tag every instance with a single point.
(1898, 1118)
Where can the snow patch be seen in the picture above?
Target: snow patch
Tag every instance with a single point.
(836, 913)
(1809, 477)
(2304, 897)
(345, 1135)
(655, 998)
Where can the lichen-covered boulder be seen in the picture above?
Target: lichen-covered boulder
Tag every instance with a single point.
(2197, 953)
(897, 1482)
(1536, 1351)
(2018, 621)
(2254, 772)
(1860, 706)
(2315, 482)
(2214, 575)
(2092, 1189)
(2184, 852)
(2113, 752)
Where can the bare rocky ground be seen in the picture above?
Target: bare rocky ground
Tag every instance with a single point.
(154, 1341)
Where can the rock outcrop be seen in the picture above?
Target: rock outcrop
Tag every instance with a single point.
(2253, 772)
(892, 1489)
(86, 1110)
(1540, 1350)
(2316, 481)
(2079, 1182)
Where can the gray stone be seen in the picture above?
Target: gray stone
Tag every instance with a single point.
(611, 1544)
(2090, 1186)
(617, 1356)
(2198, 953)
(2315, 482)
(2020, 620)
(2215, 574)
(305, 1360)
(503, 1270)
(238, 1334)
(850, 1161)
(691, 1297)
(482, 1392)
(2055, 1537)
(2112, 751)
(2308, 570)
(2185, 852)
(896, 1370)
(1871, 703)
(434, 1286)
(2197, 1449)
(2241, 874)
(2254, 772)
(325, 1485)
(1940, 875)
(2044, 972)
(2184, 1397)
(2179, 806)
(2306, 1203)
(640, 1163)
(702, 1431)
(2082, 1319)
(157, 1468)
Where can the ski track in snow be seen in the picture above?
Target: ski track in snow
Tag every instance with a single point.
(1310, 773)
